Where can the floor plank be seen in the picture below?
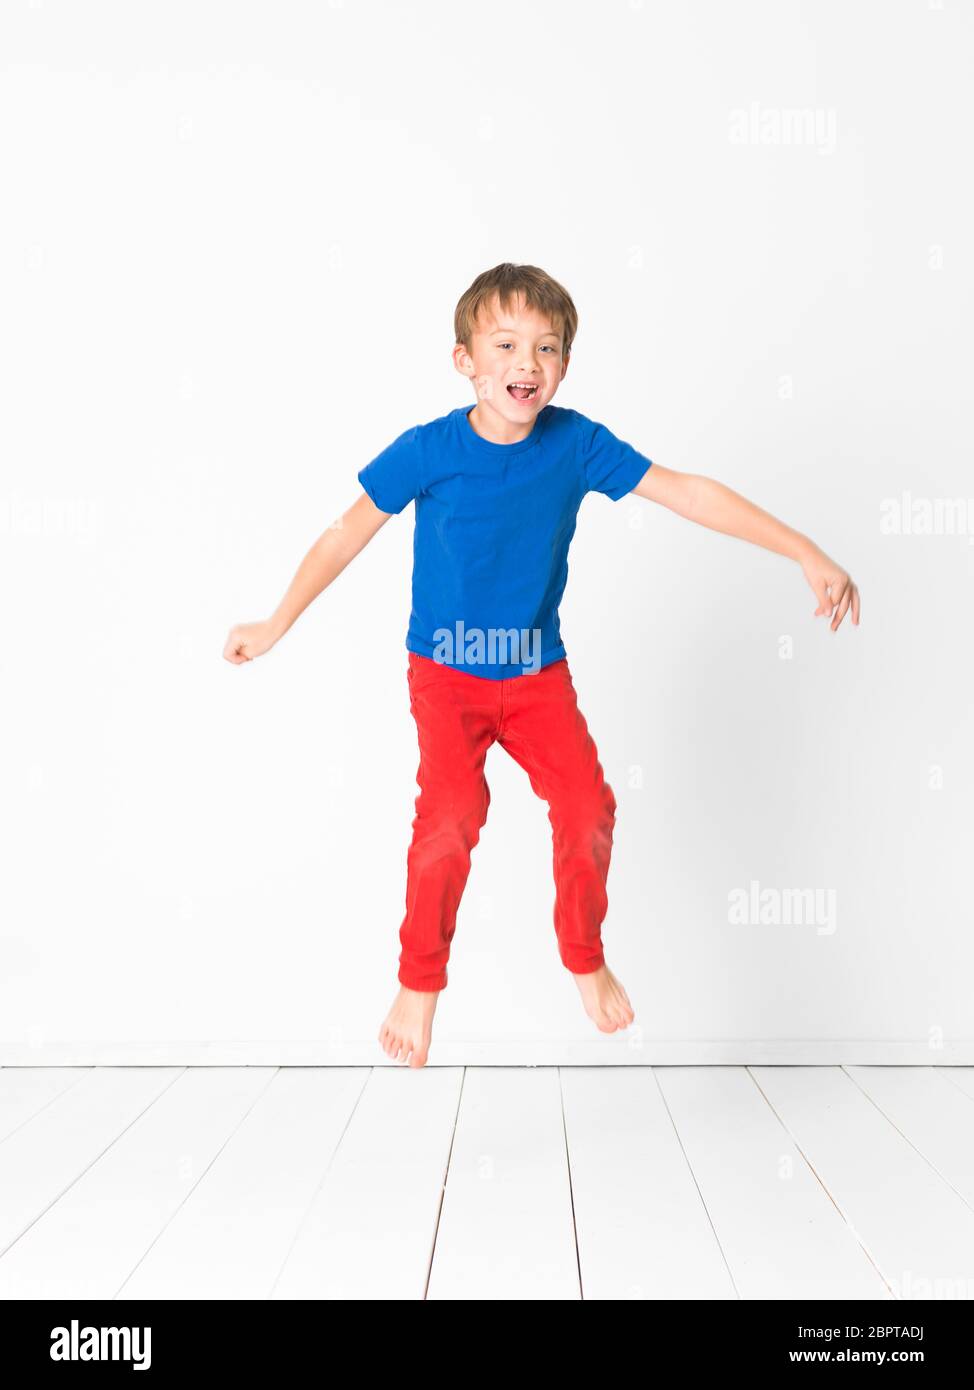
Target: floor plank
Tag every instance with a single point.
(643, 1230)
(45, 1157)
(780, 1233)
(232, 1233)
(25, 1091)
(934, 1115)
(369, 1231)
(961, 1077)
(918, 1231)
(88, 1242)
(506, 1229)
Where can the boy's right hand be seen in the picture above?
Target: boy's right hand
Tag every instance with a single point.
(247, 640)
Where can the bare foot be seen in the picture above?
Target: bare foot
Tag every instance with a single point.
(408, 1027)
(606, 1002)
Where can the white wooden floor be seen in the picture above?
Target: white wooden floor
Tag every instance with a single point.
(487, 1182)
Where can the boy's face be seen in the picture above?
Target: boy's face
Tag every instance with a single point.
(512, 346)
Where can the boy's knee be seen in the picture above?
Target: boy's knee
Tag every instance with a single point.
(452, 829)
(585, 814)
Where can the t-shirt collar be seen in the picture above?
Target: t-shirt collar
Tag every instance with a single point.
(473, 440)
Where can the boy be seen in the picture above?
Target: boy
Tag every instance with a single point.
(497, 488)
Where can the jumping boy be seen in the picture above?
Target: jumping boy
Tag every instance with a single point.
(497, 488)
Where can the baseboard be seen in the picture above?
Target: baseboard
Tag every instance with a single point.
(608, 1051)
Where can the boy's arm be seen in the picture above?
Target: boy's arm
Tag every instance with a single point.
(711, 504)
(326, 559)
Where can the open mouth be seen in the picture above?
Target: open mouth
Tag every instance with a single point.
(523, 391)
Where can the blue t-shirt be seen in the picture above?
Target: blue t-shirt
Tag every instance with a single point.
(493, 527)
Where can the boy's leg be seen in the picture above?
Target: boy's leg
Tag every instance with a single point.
(456, 717)
(544, 730)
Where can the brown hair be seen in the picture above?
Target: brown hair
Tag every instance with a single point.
(539, 290)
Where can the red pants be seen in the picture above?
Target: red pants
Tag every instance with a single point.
(536, 718)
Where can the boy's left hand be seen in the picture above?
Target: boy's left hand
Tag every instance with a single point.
(832, 587)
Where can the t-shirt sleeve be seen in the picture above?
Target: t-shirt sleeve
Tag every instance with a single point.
(393, 478)
(609, 465)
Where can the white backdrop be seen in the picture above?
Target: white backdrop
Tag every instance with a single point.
(233, 239)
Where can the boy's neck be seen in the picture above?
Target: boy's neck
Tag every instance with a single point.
(493, 427)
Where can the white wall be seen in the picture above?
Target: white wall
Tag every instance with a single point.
(232, 244)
